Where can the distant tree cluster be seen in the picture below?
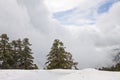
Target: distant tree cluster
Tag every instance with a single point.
(115, 67)
(58, 58)
(15, 54)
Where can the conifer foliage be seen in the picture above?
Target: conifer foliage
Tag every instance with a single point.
(5, 52)
(16, 54)
(58, 58)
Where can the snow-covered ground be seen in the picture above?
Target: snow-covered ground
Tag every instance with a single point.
(86, 74)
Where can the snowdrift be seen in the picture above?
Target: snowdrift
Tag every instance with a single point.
(86, 74)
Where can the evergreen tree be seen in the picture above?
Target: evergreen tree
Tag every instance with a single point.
(26, 61)
(17, 51)
(58, 58)
(5, 52)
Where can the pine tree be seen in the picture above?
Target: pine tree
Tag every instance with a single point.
(5, 52)
(26, 61)
(58, 58)
(17, 51)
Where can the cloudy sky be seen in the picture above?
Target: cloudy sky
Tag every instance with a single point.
(88, 29)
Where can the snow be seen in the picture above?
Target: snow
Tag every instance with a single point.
(86, 74)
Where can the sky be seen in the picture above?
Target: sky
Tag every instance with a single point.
(89, 30)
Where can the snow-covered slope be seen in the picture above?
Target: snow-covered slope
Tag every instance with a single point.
(86, 74)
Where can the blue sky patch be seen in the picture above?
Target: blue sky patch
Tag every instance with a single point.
(72, 16)
(63, 16)
(106, 6)
(63, 13)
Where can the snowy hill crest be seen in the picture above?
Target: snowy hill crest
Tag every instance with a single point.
(85, 74)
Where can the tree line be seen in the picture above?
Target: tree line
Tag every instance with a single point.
(17, 54)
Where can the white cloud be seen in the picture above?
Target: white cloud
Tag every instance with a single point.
(82, 44)
(84, 13)
(108, 24)
(61, 5)
(97, 40)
